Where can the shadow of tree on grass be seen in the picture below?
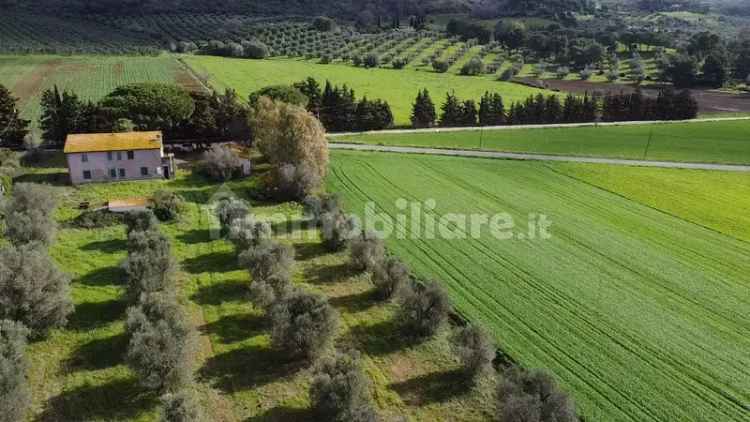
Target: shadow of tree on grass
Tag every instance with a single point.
(107, 276)
(91, 315)
(215, 262)
(235, 328)
(435, 387)
(247, 368)
(98, 354)
(121, 399)
(381, 338)
(218, 293)
(107, 246)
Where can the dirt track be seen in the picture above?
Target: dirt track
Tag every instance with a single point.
(709, 101)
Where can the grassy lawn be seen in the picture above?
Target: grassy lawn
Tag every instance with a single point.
(90, 77)
(639, 312)
(78, 373)
(711, 142)
(398, 87)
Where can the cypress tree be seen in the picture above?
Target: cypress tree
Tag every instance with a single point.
(451, 112)
(491, 110)
(552, 110)
(13, 129)
(423, 113)
(468, 113)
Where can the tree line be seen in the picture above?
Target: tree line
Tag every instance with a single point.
(541, 109)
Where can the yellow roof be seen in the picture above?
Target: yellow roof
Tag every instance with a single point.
(101, 142)
(130, 202)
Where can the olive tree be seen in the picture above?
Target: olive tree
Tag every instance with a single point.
(181, 406)
(230, 209)
(140, 221)
(150, 265)
(532, 396)
(424, 308)
(15, 396)
(270, 260)
(302, 325)
(33, 290)
(366, 251)
(295, 182)
(161, 343)
(220, 163)
(167, 205)
(249, 233)
(390, 276)
(337, 230)
(474, 349)
(340, 391)
(29, 214)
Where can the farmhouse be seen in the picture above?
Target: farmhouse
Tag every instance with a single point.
(110, 157)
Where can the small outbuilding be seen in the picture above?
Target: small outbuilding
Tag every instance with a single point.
(113, 157)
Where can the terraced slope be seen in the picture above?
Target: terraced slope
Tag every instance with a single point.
(643, 316)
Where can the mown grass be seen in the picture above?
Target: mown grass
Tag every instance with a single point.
(78, 373)
(710, 142)
(640, 314)
(398, 87)
(90, 77)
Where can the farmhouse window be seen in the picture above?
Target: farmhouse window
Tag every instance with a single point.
(87, 174)
(144, 171)
(119, 156)
(109, 155)
(131, 155)
(84, 158)
(113, 173)
(122, 173)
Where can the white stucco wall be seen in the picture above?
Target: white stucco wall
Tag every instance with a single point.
(100, 165)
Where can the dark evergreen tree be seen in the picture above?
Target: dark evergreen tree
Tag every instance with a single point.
(60, 115)
(423, 112)
(13, 129)
(468, 113)
(491, 110)
(552, 110)
(685, 106)
(311, 89)
(452, 112)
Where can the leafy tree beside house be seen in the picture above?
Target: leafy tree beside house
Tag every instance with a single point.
(13, 129)
(150, 106)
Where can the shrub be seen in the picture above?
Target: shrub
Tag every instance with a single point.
(340, 391)
(29, 214)
(255, 49)
(33, 290)
(423, 310)
(367, 252)
(292, 182)
(249, 233)
(161, 343)
(97, 219)
(389, 277)
(474, 67)
(166, 205)
(474, 349)
(303, 325)
(371, 60)
(440, 66)
(15, 397)
(140, 221)
(357, 61)
(337, 230)
(399, 63)
(230, 209)
(532, 396)
(150, 266)
(271, 260)
(284, 93)
(181, 406)
(220, 163)
(562, 72)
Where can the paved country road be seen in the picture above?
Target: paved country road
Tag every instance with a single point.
(538, 157)
(522, 127)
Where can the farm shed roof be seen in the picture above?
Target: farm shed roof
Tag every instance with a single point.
(101, 142)
(130, 204)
